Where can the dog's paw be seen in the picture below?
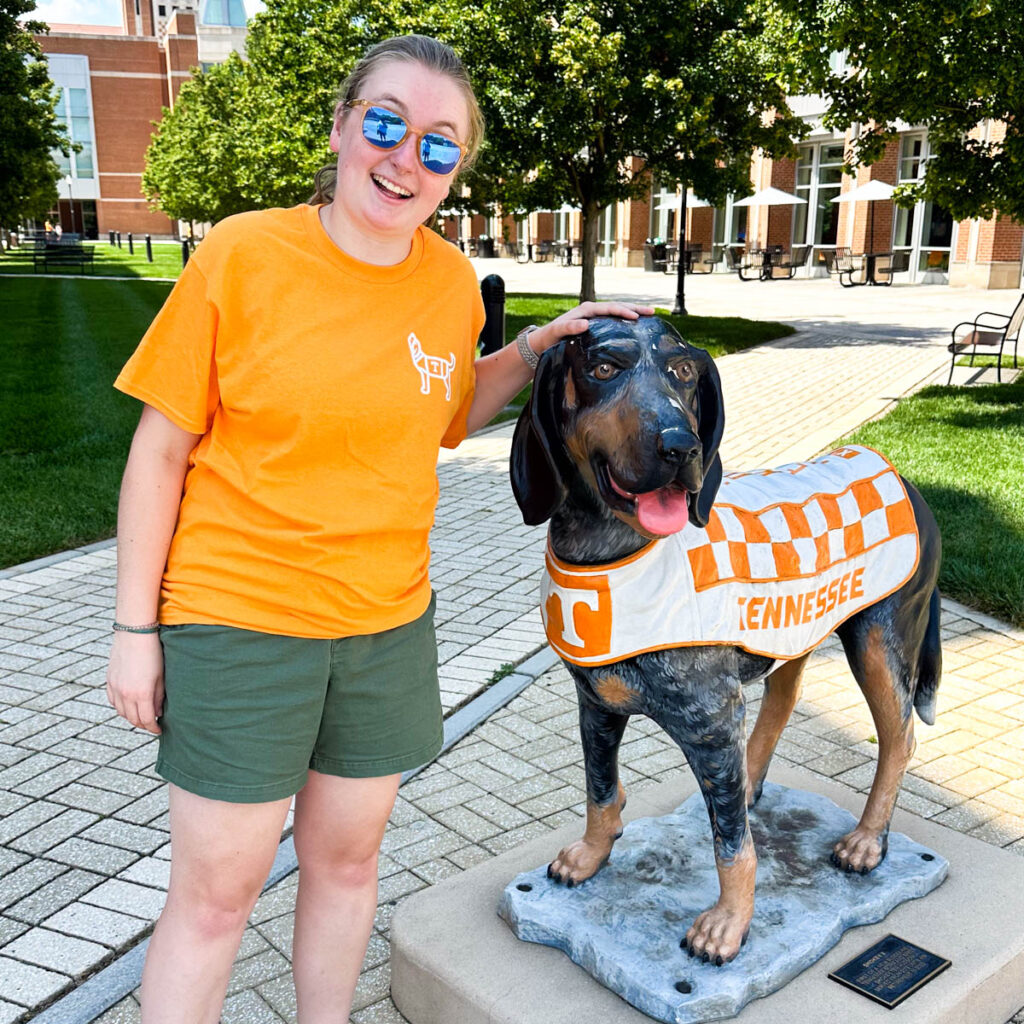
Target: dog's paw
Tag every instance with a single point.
(717, 935)
(860, 851)
(578, 862)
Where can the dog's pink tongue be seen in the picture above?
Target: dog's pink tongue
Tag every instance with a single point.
(663, 511)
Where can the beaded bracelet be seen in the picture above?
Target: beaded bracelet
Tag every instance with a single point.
(150, 627)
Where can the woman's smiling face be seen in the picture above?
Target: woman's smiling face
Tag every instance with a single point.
(382, 196)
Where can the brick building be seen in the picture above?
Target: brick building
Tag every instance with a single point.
(114, 82)
(983, 254)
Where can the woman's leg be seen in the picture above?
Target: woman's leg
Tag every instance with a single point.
(221, 854)
(339, 824)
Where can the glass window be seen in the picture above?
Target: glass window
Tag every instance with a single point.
(224, 12)
(62, 161)
(61, 109)
(83, 161)
(738, 233)
(79, 102)
(911, 157)
(606, 244)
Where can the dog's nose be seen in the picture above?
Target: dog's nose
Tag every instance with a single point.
(678, 445)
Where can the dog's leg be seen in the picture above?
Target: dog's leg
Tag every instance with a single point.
(781, 692)
(708, 726)
(879, 670)
(601, 732)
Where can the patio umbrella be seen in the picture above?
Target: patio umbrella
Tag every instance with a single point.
(673, 204)
(770, 197)
(868, 193)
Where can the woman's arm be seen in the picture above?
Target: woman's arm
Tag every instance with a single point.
(502, 375)
(146, 516)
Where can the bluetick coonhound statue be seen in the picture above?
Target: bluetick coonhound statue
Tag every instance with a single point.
(668, 587)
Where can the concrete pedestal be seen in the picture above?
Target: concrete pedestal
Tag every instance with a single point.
(454, 961)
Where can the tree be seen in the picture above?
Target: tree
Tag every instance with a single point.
(573, 89)
(250, 134)
(29, 130)
(948, 67)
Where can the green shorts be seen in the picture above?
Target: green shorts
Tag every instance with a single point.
(247, 714)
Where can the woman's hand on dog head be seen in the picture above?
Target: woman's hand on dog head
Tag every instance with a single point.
(577, 320)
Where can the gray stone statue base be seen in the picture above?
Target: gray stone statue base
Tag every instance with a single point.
(624, 925)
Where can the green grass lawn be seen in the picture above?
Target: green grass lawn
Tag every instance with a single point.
(963, 448)
(64, 434)
(64, 431)
(108, 261)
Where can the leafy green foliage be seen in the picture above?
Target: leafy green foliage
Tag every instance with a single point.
(947, 65)
(961, 447)
(585, 99)
(28, 126)
(251, 134)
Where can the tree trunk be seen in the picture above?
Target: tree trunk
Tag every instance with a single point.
(591, 223)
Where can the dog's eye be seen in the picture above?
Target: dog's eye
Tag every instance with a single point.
(605, 371)
(683, 372)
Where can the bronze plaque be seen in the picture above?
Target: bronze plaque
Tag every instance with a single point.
(890, 971)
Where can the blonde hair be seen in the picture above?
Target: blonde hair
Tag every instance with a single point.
(431, 54)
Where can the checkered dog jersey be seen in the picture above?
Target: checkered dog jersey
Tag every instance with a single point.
(787, 555)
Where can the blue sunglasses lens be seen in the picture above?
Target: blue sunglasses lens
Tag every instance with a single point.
(439, 154)
(383, 128)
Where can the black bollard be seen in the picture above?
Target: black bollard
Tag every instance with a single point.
(492, 337)
(112, 242)
(149, 248)
(131, 246)
(184, 252)
(119, 239)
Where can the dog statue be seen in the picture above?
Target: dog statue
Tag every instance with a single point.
(667, 588)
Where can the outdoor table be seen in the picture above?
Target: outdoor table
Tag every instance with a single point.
(870, 259)
(767, 254)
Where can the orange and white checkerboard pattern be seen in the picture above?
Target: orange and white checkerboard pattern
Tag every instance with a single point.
(788, 554)
(792, 541)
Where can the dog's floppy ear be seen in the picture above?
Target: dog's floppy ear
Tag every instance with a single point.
(538, 454)
(710, 426)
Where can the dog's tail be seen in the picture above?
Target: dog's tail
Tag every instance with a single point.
(929, 664)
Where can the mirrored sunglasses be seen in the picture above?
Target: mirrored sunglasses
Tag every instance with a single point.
(385, 129)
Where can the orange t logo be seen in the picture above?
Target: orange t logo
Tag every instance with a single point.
(578, 615)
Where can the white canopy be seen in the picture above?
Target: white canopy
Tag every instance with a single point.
(867, 193)
(692, 203)
(770, 197)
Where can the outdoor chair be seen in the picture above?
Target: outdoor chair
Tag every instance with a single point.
(738, 259)
(840, 263)
(698, 261)
(899, 263)
(522, 253)
(991, 334)
(791, 262)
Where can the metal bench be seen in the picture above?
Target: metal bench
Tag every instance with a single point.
(840, 263)
(61, 255)
(992, 333)
(792, 261)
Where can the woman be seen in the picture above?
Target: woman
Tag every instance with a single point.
(274, 618)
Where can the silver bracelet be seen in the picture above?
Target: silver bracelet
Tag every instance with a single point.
(523, 346)
(149, 627)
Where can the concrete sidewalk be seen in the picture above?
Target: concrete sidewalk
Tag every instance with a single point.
(83, 827)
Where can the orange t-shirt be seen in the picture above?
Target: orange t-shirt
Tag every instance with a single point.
(323, 388)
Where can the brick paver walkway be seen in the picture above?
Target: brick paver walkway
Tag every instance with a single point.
(83, 823)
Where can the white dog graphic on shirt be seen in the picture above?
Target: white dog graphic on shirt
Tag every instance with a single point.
(432, 366)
